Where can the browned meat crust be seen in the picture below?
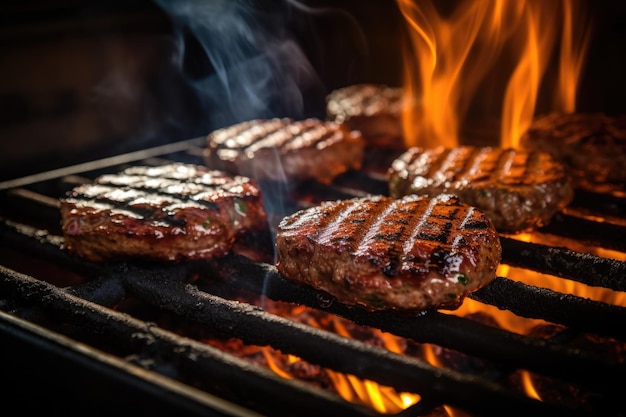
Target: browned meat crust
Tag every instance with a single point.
(170, 213)
(373, 109)
(285, 149)
(412, 253)
(518, 190)
(592, 145)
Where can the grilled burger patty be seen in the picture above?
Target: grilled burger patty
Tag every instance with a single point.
(592, 145)
(372, 109)
(518, 190)
(170, 213)
(285, 149)
(411, 253)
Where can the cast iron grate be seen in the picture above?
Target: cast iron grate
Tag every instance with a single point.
(70, 308)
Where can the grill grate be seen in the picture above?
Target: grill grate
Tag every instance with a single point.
(68, 307)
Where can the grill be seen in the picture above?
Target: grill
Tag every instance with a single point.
(132, 336)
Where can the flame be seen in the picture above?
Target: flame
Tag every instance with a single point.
(383, 399)
(273, 364)
(572, 55)
(503, 318)
(491, 51)
(501, 49)
(529, 387)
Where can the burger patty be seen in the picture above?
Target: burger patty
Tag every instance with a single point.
(285, 149)
(372, 109)
(170, 213)
(591, 145)
(518, 190)
(411, 253)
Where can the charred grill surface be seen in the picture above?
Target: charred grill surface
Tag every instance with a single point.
(581, 345)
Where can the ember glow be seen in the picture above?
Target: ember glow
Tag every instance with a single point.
(383, 399)
(487, 52)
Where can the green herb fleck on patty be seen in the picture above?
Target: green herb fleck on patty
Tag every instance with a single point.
(462, 279)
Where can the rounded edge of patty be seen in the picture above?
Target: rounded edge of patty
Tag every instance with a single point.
(519, 190)
(383, 253)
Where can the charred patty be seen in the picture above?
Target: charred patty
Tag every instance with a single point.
(591, 145)
(285, 149)
(372, 109)
(169, 213)
(518, 190)
(411, 253)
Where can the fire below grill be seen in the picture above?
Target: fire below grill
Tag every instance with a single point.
(134, 336)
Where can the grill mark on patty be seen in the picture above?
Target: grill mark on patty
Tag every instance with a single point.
(502, 169)
(528, 168)
(387, 233)
(474, 166)
(392, 266)
(363, 100)
(468, 223)
(240, 136)
(454, 166)
(343, 226)
(441, 164)
(537, 168)
(296, 136)
(434, 227)
(182, 183)
(113, 199)
(281, 134)
(197, 191)
(140, 195)
(400, 235)
(480, 165)
(185, 175)
(389, 226)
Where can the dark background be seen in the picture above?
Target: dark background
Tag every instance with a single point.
(81, 81)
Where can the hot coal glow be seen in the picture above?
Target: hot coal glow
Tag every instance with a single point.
(382, 399)
(386, 400)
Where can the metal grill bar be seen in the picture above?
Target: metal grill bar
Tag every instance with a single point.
(561, 262)
(575, 312)
(166, 353)
(92, 382)
(433, 327)
(86, 312)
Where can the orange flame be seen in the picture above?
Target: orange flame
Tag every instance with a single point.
(381, 398)
(529, 387)
(498, 49)
(573, 52)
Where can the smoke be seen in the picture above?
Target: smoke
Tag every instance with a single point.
(241, 59)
